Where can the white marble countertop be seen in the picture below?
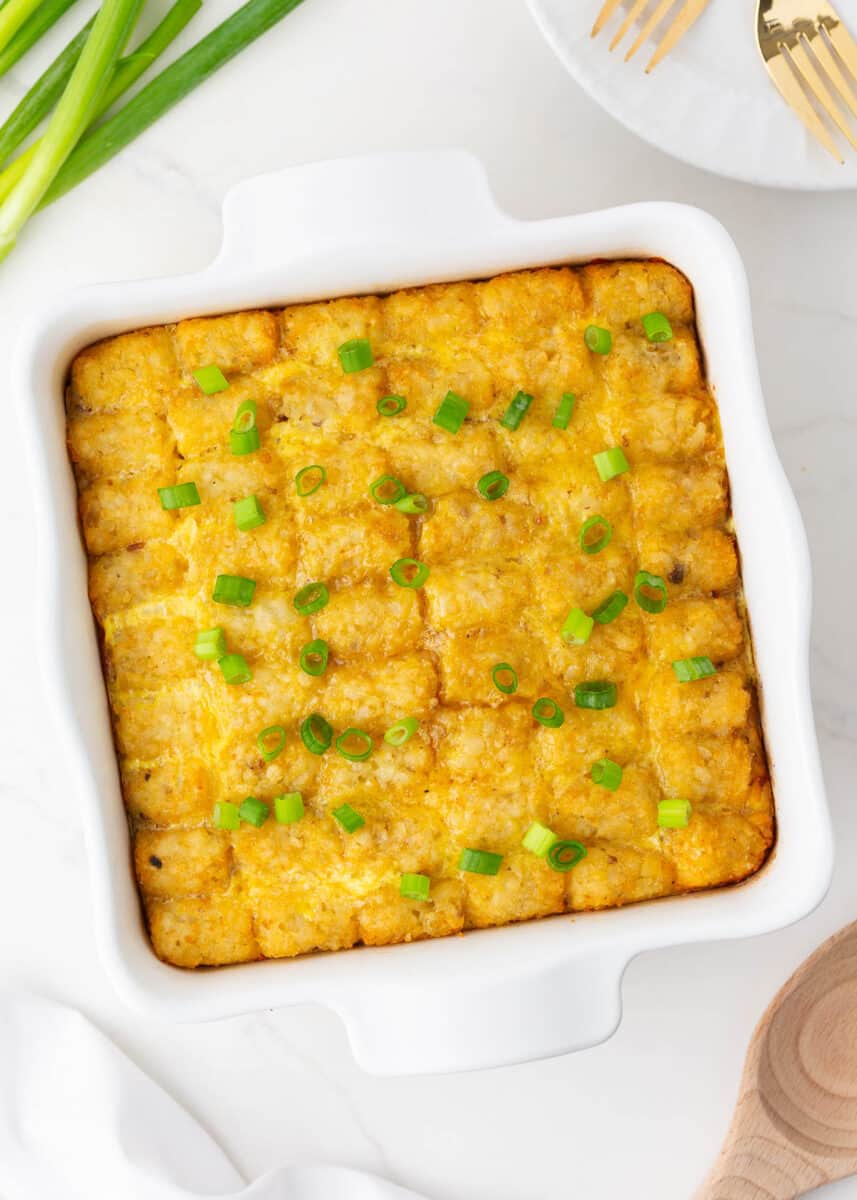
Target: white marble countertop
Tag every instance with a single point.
(642, 1115)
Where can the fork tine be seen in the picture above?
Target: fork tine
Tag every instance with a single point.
(794, 95)
(826, 57)
(650, 26)
(683, 21)
(809, 73)
(607, 10)
(845, 46)
(635, 11)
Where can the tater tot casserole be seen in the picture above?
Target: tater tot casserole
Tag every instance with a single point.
(420, 612)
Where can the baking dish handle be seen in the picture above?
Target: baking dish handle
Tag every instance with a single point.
(568, 1006)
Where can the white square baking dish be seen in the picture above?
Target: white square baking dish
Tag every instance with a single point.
(493, 996)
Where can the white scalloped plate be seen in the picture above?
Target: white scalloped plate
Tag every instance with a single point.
(709, 103)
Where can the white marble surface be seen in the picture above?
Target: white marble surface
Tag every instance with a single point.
(643, 1115)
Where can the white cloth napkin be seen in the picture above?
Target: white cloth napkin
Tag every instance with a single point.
(80, 1121)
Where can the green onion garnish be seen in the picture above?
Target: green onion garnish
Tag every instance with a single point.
(608, 610)
(244, 442)
(309, 479)
(595, 534)
(577, 627)
(517, 410)
(480, 862)
(415, 887)
(391, 406)
(182, 495)
(688, 670)
(538, 839)
(211, 379)
(415, 502)
(233, 589)
(606, 774)
(311, 599)
(656, 327)
(248, 513)
(271, 742)
(409, 573)
(402, 731)
(548, 712)
(493, 485)
(600, 693)
(505, 679)
(565, 408)
(349, 818)
(288, 808)
(562, 856)
(245, 416)
(450, 416)
(235, 668)
(354, 744)
(226, 815)
(355, 355)
(254, 812)
(316, 733)
(387, 489)
(598, 340)
(644, 585)
(314, 657)
(611, 463)
(674, 814)
(210, 644)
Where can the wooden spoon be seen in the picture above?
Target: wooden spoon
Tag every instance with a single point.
(795, 1125)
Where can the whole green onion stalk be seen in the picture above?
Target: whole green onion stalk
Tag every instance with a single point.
(13, 14)
(39, 22)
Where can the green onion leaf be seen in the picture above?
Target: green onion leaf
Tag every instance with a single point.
(595, 534)
(309, 479)
(493, 485)
(387, 490)
(254, 812)
(391, 406)
(211, 379)
(183, 495)
(505, 679)
(598, 694)
(245, 416)
(415, 887)
(688, 670)
(645, 585)
(548, 712)
(234, 589)
(598, 340)
(608, 610)
(288, 808)
(355, 745)
(562, 856)
(349, 818)
(235, 668)
(46, 14)
(401, 731)
(244, 441)
(415, 502)
(480, 862)
(355, 355)
(538, 839)
(226, 815)
(13, 16)
(674, 814)
(409, 573)
(656, 327)
(311, 599)
(606, 774)
(517, 410)
(210, 644)
(611, 463)
(316, 733)
(314, 657)
(271, 742)
(577, 627)
(248, 513)
(565, 408)
(450, 416)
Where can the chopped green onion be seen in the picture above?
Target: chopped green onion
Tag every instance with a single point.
(183, 495)
(248, 513)
(226, 815)
(387, 489)
(602, 530)
(644, 585)
(548, 712)
(505, 679)
(409, 573)
(674, 814)
(656, 327)
(600, 693)
(309, 479)
(415, 502)
(688, 670)
(254, 812)
(314, 657)
(271, 742)
(450, 416)
(349, 818)
(311, 599)
(598, 340)
(245, 416)
(577, 627)
(316, 733)
(355, 745)
(562, 856)
(538, 839)
(608, 610)
(565, 408)
(235, 668)
(493, 485)
(415, 887)
(402, 731)
(611, 463)
(233, 589)
(244, 441)
(288, 808)
(606, 774)
(517, 410)
(210, 644)
(480, 862)
(355, 355)
(391, 406)
(210, 379)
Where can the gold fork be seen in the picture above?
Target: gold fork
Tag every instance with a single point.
(807, 49)
(682, 20)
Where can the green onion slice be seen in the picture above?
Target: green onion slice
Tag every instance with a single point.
(271, 742)
(611, 463)
(211, 379)
(309, 479)
(244, 441)
(415, 502)
(606, 774)
(355, 355)
(493, 485)
(517, 410)
(235, 668)
(598, 340)
(599, 693)
(674, 814)
(595, 534)
(538, 839)
(387, 489)
(311, 599)
(480, 862)
(288, 808)
(450, 416)
(577, 628)
(505, 678)
(355, 745)
(657, 327)
(409, 573)
(688, 670)
(402, 731)
(210, 644)
(233, 589)
(564, 855)
(245, 416)
(183, 495)
(226, 815)
(391, 406)
(314, 656)
(349, 818)
(608, 610)
(415, 887)
(548, 712)
(565, 408)
(254, 812)
(316, 733)
(645, 585)
(248, 513)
